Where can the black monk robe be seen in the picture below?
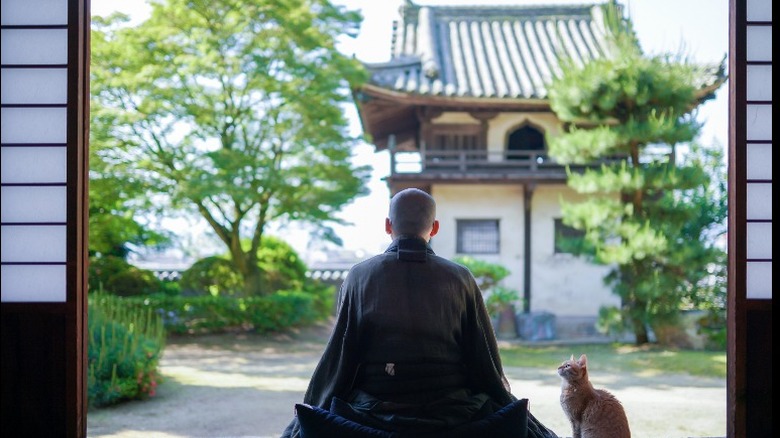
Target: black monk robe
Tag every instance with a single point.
(413, 346)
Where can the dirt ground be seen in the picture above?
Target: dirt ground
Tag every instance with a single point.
(245, 386)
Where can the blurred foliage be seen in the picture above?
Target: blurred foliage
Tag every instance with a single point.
(262, 314)
(125, 346)
(116, 276)
(489, 276)
(213, 276)
(281, 267)
(499, 298)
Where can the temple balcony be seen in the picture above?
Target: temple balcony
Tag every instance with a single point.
(469, 166)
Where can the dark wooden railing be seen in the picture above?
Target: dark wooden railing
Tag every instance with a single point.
(475, 161)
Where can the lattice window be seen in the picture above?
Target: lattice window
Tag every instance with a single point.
(453, 138)
(478, 236)
(566, 238)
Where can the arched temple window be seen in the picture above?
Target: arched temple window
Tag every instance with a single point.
(524, 139)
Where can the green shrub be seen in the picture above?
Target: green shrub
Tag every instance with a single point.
(116, 276)
(281, 265)
(499, 298)
(214, 314)
(488, 276)
(124, 347)
(713, 326)
(213, 276)
(170, 287)
(610, 321)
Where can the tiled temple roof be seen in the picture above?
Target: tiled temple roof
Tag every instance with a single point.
(487, 51)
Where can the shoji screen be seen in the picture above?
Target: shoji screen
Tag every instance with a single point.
(750, 220)
(758, 148)
(34, 152)
(44, 118)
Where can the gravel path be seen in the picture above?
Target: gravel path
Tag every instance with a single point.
(244, 386)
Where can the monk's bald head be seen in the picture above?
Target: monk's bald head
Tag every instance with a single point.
(412, 213)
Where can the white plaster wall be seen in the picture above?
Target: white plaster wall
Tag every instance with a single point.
(502, 202)
(562, 284)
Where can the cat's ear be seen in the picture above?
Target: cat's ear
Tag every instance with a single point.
(583, 360)
(572, 357)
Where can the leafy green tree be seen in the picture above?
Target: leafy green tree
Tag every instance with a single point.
(232, 110)
(116, 210)
(117, 201)
(646, 214)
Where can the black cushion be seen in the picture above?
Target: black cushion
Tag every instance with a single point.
(319, 423)
(511, 421)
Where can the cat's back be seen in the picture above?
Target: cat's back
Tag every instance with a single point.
(593, 413)
(604, 417)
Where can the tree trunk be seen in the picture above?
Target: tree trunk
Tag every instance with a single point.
(640, 332)
(253, 283)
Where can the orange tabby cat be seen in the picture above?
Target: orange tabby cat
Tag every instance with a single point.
(593, 413)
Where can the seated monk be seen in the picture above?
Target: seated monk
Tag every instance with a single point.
(413, 349)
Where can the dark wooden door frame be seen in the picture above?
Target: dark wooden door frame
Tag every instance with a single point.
(44, 345)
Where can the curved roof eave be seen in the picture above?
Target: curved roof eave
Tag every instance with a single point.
(453, 101)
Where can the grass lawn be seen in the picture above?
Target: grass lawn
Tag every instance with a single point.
(649, 360)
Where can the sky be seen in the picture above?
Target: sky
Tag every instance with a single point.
(697, 28)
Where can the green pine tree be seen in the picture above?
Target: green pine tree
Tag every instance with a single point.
(643, 214)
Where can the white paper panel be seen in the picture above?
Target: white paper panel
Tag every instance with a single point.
(34, 46)
(759, 201)
(34, 164)
(759, 82)
(759, 280)
(759, 161)
(759, 122)
(22, 283)
(759, 240)
(33, 243)
(33, 125)
(759, 43)
(38, 12)
(34, 204)
(34, 85)
(759, 10)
